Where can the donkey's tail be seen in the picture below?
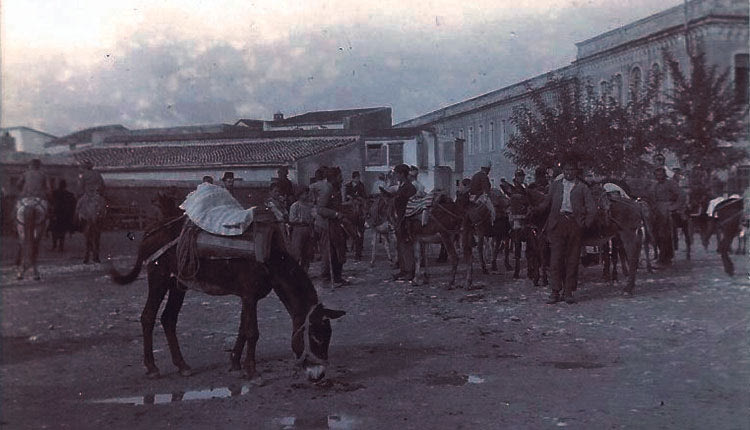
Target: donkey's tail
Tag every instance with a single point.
(124, 279)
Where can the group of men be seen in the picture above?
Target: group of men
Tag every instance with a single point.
(35, 187)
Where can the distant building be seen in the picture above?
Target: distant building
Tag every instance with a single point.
(346, 119)
(24, 139)
(611, 63)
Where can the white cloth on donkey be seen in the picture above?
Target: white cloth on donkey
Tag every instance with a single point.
(216, 211)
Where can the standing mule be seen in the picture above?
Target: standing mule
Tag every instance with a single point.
(382, 225)
(244, 277)
(31, 223)
(90, 213)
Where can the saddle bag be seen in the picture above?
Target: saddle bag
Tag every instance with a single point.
(254, 243)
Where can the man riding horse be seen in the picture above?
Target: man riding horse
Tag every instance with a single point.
(31, 217)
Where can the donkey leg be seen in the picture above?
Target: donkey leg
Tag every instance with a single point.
(239, 344)
(251, 334)
(517, 257)
(169, 323)
(508, 244)
(631, 242)
(374, 244)
(157, 288)
(480, 251)
(724, 246)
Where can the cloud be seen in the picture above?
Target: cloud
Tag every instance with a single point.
(159, 77)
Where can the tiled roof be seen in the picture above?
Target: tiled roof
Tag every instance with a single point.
(324, 116)
(231, 152)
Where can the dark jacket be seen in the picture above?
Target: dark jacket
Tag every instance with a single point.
(480, 184)
(581, 201)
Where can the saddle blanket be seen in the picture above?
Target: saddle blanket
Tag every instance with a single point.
(417, 205)
(714, 204)
(215, 210)
(212, 246)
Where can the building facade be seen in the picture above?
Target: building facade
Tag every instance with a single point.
(611, 63)
(24, 139)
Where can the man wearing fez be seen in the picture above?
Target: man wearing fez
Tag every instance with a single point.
(572, 210)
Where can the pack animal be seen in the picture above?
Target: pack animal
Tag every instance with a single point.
(245, 277)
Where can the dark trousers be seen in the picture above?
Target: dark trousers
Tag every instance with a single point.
(565, 254)
(405, 251)
(330, 253)
(302, 245)
(663, 232)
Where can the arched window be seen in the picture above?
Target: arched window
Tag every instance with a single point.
(636, 82)
(617, 87)
(604, 90)
(656, 79)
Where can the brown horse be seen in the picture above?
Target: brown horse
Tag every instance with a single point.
(247, 278)
(31, 223)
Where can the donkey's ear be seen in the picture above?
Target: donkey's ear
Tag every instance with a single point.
(333, 314)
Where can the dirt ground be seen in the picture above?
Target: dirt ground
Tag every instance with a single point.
(675, 356)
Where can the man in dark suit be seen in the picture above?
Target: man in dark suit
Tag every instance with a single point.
(572, 209)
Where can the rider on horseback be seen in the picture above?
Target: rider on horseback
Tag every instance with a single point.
(480, 188)
(31, 213)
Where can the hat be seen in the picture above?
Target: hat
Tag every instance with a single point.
(520, 172)
(401, 168)
(570, 162)
(486, 164)
(355, 174)
(227, 175)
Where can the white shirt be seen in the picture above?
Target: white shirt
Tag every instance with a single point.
(567, 187)
(376, 186)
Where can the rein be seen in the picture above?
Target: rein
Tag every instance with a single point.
(307, 351)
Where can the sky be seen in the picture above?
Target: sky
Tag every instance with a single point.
(69, 65)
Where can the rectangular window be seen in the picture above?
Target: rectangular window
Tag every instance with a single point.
(492, 136)
(376, 154)
(395, 153)
(480, 139)
(449, 150)
(472, 149)
(503, 134)
(741, 77)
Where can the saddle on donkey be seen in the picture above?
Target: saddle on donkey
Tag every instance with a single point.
(218, 227)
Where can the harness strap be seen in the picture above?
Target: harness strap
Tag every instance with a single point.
(153, 257)
(305, 330)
